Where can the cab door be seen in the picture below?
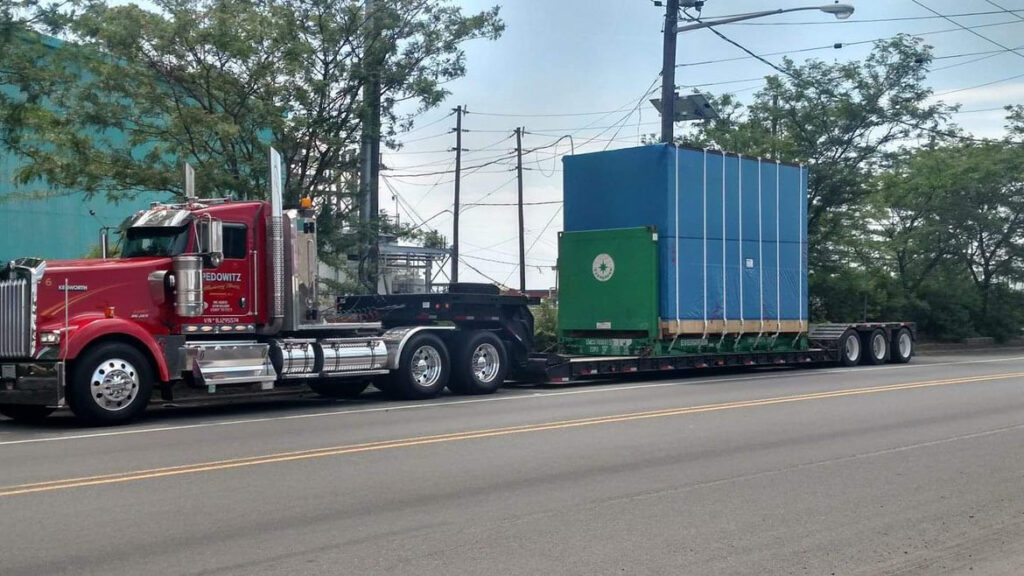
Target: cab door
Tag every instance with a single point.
(227, 289)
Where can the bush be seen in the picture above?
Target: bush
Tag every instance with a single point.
(545, 327)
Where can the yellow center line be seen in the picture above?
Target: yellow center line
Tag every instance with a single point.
(137, 475)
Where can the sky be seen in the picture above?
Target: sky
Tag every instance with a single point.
(583, 68)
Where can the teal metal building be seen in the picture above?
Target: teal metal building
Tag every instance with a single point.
(39, 221)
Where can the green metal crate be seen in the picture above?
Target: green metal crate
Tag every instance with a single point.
(608, 290)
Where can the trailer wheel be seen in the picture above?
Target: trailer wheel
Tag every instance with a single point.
(481, 364)
(901, 349)
(110, 384)
(338, 388)
(423, 369)
(25, 413)
(875, 347)
(849, 348)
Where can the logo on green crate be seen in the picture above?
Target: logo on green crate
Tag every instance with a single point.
(603, 267)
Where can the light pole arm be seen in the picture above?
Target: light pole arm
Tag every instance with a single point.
(741, 17)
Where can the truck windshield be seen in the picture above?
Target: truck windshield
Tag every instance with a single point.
(155, 241)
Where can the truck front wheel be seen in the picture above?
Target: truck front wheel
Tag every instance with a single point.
(423, 368)
(481, 364)
(24, 412)
(110, 384)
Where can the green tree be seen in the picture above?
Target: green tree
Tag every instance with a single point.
(847, 122)
(947, 225)
(214, 82)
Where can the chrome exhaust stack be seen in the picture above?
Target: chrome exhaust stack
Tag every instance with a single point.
(275, 247)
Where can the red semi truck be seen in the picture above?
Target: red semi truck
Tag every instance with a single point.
(220, 297)
(216, 297)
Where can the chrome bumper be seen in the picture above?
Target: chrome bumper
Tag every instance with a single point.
(39, 383)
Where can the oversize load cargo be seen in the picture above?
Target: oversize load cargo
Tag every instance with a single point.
(732, 231)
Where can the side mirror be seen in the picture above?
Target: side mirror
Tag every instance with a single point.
(211, 242)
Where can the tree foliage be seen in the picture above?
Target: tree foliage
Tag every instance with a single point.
(215, 82)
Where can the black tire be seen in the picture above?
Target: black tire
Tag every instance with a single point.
(110, 384)
(338, 388)
(901, 348)
(480, 363)
(423, 369)
(25, 413)
(850, 348)
(875, 348)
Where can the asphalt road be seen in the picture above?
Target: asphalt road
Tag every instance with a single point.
(915, 469)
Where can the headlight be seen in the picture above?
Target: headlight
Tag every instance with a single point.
(49, 338)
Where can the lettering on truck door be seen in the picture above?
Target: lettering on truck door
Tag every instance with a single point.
(227, 289)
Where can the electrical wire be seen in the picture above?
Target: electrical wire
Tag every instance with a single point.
(543, 230)
(978, 34)
(535, 264)
(1001, 80)
(873, 20)
(917, 127)
(473, 168)
(552, 115)
(979, 110)
(428, 124)
(839, 45)
(514, 203)
(477, 270)
(465, 207)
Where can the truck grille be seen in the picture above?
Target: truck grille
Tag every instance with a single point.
(16, 319)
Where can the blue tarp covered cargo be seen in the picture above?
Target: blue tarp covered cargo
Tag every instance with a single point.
(732, 231)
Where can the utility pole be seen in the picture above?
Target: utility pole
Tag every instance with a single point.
(369, 174)
(668, 72)
(775, 127)
(459, 110)
(522, 235)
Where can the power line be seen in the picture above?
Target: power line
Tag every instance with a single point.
(991, 54)
(487, 195)
(514, 203)
(477, 270)
(442, 172)
(839, 45)
(552, 115)
(871, 20)
(441, 162)
(536, 264)
(428, 124)
(978, 34)
(543, 230)
(979, 110)
(425, 138)
(1001, 80)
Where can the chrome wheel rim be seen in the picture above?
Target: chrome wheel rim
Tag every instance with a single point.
(905, 345)
(486, 362)
(114, 384)
(878, 346)
(426, 366)
(852, 348)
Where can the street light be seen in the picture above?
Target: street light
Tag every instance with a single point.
(840, 11)
(668, 72)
